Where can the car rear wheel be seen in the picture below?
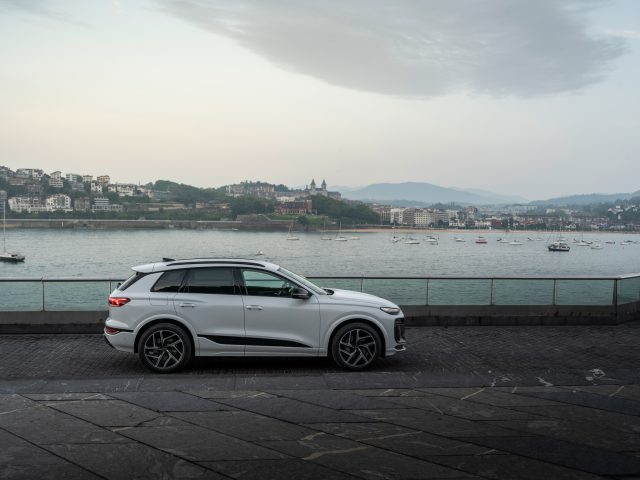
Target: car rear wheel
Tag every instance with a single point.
(164, 348)
(356, 346)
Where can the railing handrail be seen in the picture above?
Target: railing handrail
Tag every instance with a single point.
(357, 277)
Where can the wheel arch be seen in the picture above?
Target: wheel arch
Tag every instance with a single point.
(357, 319)
(174, 321)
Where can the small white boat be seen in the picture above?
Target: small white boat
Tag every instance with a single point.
(459, 239)
(289, 236)
(412, 241)
(559, 246)
(259, 252)
(597, 246)
(582, 243)
(502, 240)
(481, 240)
(354, 238)
(515, 242)
(341, 239)
(326, 238)
(7, 256)
(431, 240)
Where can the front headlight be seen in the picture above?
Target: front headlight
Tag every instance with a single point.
(390, 310)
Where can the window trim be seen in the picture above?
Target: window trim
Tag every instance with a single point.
(243, 285)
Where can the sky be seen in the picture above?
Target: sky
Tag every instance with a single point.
(531, 98)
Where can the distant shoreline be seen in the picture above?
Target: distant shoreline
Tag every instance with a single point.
(274, 225)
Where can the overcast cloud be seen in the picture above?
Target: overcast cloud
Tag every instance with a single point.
(419, 47)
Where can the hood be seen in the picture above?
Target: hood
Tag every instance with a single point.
(357, 298)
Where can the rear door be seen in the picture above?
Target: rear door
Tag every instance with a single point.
(210, 301)
(276, 323)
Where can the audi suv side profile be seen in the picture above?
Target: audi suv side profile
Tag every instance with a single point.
(171, 311)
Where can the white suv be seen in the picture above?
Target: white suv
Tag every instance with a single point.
(171, 311)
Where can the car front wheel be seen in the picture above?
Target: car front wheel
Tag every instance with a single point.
(164, 348)
(356, 346)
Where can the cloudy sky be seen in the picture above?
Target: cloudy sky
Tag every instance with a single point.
(537, 98)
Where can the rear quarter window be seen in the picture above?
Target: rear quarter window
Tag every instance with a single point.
(170, 281)
(130, 281)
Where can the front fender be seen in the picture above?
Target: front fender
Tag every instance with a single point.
(337, 323)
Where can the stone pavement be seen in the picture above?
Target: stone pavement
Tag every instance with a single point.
(488, 402)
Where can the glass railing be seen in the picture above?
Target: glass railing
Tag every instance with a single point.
(90, 294)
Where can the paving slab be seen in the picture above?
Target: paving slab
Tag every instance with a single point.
(260, 382)
(389, 392)
(290, 410)
(276, 470)
(459, 408)
(414, 443)
(106, 413)
(41, 425)
(435, 423)
(335, 399)
(489, 396)
(170, 401)
(197, 443)
(510, 467)
(580, 457)
(246, 425)
(576, 413)
(361, 460)
(132, 462)
(591, 400)
(58, 397)
(20, 459)
(630, 392)
(213, 394)
(578, 432)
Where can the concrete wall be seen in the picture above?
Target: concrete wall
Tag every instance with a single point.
(93, 322)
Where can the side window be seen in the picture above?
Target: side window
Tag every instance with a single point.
(211, 280)
(170, 281)
(266, 284)
(130, 281)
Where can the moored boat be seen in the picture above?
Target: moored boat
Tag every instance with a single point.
(558, 246)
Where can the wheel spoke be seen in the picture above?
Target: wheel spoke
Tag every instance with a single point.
(164, 349)
(357, 347)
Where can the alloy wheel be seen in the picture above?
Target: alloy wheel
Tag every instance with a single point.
(164, 349)
(357, 348)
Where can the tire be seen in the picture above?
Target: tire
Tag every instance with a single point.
(164, 348)
(356, 346)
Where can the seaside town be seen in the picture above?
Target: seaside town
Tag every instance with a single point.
(30, 192)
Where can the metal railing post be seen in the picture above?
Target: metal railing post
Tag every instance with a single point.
(491, 294)
(614, 300)
(42, 284)
(555, 292)
(361, 282)
(427, 299)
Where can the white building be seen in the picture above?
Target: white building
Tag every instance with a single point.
(126, 189)
(56, 182)
(396, 216)
(96, 187)
(29, 204)
(56, 175)
(424, 217)
(73, 177)
(58, 201)
(101, 204)
(104, 179)
(87, 178)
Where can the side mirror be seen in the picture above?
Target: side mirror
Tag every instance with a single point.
(300, 293)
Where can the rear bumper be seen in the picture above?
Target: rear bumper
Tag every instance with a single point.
(124, 341)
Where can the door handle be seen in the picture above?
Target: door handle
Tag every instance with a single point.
(253, 307)
(190, 305)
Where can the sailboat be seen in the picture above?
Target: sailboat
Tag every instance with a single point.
(4, 255)
(340, 238)
(289, 236)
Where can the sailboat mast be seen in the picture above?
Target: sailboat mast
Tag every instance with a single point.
(4, 225)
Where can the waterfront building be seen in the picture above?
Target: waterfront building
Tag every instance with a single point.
(253, 189)
(101, 204)
(27, 203)
(300, 207)
(59, 201)
(56, 182)
(396, 216)
(383, 211)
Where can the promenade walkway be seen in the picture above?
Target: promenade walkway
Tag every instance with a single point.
(464, 402)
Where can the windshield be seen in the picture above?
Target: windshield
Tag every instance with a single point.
(303, 281)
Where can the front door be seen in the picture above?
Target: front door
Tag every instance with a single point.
(275, 323)
(210, 301)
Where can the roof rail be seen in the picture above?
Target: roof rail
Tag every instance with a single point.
(214, 262)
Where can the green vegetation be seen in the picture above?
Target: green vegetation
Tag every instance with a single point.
(351, 212)
(188, 194)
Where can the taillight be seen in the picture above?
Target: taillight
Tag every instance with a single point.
(111, 331)
(118, 301)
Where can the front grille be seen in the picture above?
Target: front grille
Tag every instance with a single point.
(398, 330)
